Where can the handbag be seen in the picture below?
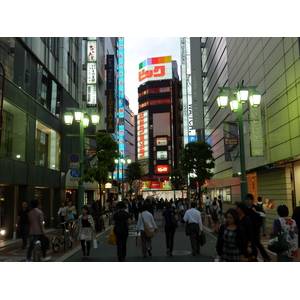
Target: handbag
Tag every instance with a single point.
(149, 232)
(202, 238)
(112, 239)
(44, 242)
(278, 243)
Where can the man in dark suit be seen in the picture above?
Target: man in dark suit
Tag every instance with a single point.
(255, 214)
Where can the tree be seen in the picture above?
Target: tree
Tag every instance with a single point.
(107, 152)
(197, 159)
(134, 172)
(176, 178)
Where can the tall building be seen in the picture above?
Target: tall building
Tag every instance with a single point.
(159, 132)
(43, 78)
(271, 132)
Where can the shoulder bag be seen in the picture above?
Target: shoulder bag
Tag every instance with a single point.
(112, 239)
(149, 232)
(278, 243)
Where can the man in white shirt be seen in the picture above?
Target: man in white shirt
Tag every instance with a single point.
(194, 227)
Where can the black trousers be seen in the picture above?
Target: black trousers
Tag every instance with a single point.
(194, 237)
(256, 237)
(170, 238)
(121, 246)
(24, 229)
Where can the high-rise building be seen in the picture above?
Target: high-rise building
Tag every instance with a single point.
(159, 132)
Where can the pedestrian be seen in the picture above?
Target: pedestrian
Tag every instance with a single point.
(168, 226)
(231, 245)
(215, 212)
(289, 226)
(263, 208)
(246, 226)
(23, 223)
(296, 217)
(147, 217)
(36, 229)
(85, 231)
(181, 209)
(194, 226)
(71, 212)
(62, 213)
(121, 220)
(220, 202)
(254, 213)
(207, 205)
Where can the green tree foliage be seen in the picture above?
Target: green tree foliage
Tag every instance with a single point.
(134, 172)
(176, 178)
(107, 149)
(197, 158)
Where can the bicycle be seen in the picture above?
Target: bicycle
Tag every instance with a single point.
(59, 240)
(72, 228)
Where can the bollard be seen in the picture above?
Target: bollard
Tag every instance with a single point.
(37, 251)
(66, 235)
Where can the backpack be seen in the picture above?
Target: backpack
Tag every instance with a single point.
(261, 207)
(214, 215)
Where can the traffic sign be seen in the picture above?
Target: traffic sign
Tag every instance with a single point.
(74, 157)
(74, 172)
(74, 165)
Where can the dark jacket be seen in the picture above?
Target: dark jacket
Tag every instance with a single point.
(240, 239)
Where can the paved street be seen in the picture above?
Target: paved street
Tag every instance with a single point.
(181, 252)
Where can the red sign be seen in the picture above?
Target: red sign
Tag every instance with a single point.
(231, 141)
(162, 141)
(162, 169)
(155, 184)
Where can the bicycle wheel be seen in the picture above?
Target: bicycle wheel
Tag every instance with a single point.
(55, 244)
(70, 243)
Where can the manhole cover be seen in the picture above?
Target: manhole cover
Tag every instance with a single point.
(181, 252)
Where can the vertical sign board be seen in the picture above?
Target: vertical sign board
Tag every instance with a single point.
(142, 140)
(121, 78)
(91, 72)
(256, 146)
(110, 93)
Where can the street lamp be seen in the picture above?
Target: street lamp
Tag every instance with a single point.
(80, 116)
(241, 95)
(122, 161)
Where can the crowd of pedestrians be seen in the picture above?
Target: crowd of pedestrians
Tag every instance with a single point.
(238, 237)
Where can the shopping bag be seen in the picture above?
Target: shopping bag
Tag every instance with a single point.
(149, 232)
(138, 241)
(95, 245)
(112, 239)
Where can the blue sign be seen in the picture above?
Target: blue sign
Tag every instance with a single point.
(74, 157)
(74, 172)
(192, 138)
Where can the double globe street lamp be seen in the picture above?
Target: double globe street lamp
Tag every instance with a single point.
(122, 160)
(81, 117)
(242, 94)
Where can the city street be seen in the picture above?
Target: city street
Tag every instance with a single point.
(181, 253)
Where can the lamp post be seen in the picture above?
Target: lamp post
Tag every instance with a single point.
(82, 118)
(240, 96)
(122, 161)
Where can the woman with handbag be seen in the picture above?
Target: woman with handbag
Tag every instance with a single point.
(287, 226)
(146, 224)
(169, 225)
(85, 231)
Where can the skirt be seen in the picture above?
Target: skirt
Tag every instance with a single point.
(86, 234)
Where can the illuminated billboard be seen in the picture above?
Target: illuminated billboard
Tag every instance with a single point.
(155, 68)
(143, 135)
(91, 73)
(121, 78)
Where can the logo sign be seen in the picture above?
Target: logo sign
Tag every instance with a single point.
(161, 141)
(162, 169)
(155, 68)
(74, 157)
(74, 172)
(90, 152)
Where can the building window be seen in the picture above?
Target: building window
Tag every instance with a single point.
(14, 132)
(47, 147)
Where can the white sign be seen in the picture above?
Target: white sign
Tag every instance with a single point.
(91, 73)
(74, 165)
(142, 133)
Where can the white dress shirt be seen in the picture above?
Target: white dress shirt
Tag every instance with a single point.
(193, 216)
(148, 218)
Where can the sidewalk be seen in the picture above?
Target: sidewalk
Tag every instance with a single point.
(10, 250)
(264, 240)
